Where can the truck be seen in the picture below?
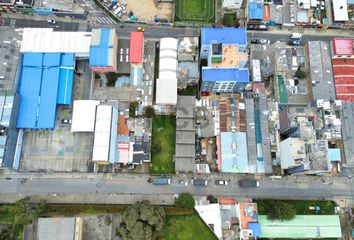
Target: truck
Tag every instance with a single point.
(296, 36)
(245, 183)
(161, 181)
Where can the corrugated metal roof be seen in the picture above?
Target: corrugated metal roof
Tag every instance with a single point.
(255, 10)
(236, 36)
(240, 75)
(234, 157)
(343, 46)
(136, 47)
(84, 113)
(56, 228)
(102, 53)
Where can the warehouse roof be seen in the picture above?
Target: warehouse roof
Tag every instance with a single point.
(236, 36)
(343, 46)
(39, 83)
(102, 134)
(234, 152)
(136, 47)
(225, 74)
(255, 10)
(56, 228)
(302, 227)
(84, 113)
(101, 48)
(50, 41)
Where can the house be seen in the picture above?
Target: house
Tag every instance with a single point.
(60, 228)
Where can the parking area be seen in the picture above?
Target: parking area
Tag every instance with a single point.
(57, 151)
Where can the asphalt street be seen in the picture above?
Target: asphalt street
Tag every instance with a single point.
(291, 188)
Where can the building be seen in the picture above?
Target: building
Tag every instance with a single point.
(212, 216)
(343, 68)
(103, 50)
(248, 218)
(136, 53)
(224, 51)
(60, 228)
(321, 71)
(60, 8)
(46, 80)
(105, 134)
(255, 10)
(84, 114)
(302, 227)
(7, 6)
(340, 10)
(347, 118)
(188, 61)
(293, 157)
(232, 4)
(166, 83)
(185, 134)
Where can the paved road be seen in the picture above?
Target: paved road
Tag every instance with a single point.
(291, 188)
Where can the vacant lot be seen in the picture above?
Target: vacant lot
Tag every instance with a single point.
(163, 144)
(302, 207)
(194, 10)
(187, 227)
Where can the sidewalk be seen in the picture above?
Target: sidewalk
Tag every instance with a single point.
(311, 31)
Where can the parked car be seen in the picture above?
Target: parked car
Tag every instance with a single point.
(246, 183)
(260, 41)
(51, 21)
(295, 42)
(140, 29)
(66, 121)
(200, 182)
(161, 181)
(221, 182)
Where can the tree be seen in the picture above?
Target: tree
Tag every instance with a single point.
(281, 211)
(149, 112)
(185, 200)
(301, 74)
(230, 20)
(6, 234)
(24, 211)
(111, 78)
(141, 221)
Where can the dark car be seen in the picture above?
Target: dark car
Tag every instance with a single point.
(260, 41)
(200, 182)
(295, 42)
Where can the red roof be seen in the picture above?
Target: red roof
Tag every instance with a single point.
(343, 46)
(266, 12)
(136, 47)
(343, 71)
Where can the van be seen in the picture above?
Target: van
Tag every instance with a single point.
(118, 10)
(200, 182)
(263, 27)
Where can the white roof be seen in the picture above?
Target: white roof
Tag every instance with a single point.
(101, 141)
(166, 88)
(211, 215)
(340, 10)
(84, 113)
(47, 40)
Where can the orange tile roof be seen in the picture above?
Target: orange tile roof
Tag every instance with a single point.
(227, 201)
(247, 211)
(123, 128)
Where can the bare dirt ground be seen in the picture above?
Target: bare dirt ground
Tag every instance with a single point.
(147, 10)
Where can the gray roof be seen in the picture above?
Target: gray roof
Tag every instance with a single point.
(251, 136)
(185, 137)
(185, 124)
(185, 107)
(185, 150)
(184, 164)
(321, 70)
(347, 119)
(56, 228)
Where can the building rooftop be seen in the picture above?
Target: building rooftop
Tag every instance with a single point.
(101, 47)
(347, 119)
(343, 46)
(234, 152)
(340, 10)
(302, 226)
(240, 75)
(136, 47)
(231, 57)
(211, 215)
(235, 36)
(56, 228)
(255, 10)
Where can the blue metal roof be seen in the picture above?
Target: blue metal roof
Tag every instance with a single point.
(39, 83)
(240, 75)
(99, 53)
(256, 229)
(237, 36)
(334, 154)
(255, 10)
(234, 157)
(136, 75)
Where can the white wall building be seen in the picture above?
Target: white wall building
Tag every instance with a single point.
(84, 113)
(232, 4)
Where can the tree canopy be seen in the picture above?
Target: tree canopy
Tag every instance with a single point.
(149, 112)
(230, 20)
(281, 211)
(300, 74)
(141, 221)
(185, 200)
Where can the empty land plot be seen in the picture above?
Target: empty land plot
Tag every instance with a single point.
(194, 10)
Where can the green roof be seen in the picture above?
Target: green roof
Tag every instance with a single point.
(302, 226)
(282, 91)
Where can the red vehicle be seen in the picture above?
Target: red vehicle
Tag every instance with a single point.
(204, 94)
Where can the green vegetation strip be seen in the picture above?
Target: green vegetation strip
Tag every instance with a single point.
(187, 227)
(301, 207)
(163, 144)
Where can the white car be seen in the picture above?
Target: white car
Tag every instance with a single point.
(51, 21)
(264, 41)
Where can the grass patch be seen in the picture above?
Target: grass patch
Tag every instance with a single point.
(187, 227)
(163, 144)
(189, 90)
(194, 10)
(301, 207)
(132, 109)
(18, 232)
(5, 216)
